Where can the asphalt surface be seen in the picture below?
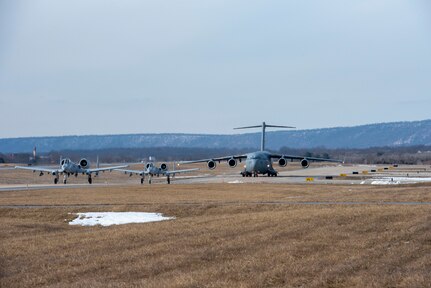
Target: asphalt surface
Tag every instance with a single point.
(312, 175)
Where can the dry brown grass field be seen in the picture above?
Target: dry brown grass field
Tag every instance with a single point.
(224, 235)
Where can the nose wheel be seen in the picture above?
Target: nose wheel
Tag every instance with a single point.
(90, 180)
(247, 174)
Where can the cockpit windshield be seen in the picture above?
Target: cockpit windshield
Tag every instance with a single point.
(259, 156)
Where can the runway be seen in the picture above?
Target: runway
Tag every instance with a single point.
(330, 174)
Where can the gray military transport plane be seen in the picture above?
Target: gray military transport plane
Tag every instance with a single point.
(260, 162)
(151, 170)
(68, 167)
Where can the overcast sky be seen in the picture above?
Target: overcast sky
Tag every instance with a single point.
(195, 66)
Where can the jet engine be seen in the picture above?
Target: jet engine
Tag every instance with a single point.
(305, 163)
(163, 166)
(211, 164)
(83, 163)
(232, 162)
(282, 162)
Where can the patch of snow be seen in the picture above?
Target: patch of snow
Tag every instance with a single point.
(398, 180)
(385, 182)
(235, 182)
(116, 218)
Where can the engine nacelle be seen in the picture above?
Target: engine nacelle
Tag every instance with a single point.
(163, 166)
(232, 162)
(84, 163)
(305, 163)
(211, 164)
(282, 162)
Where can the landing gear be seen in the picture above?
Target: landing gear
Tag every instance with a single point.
(149, 179)
(246, 174)
(169, 179)
(142, 180)
(65, 178)
(90, 180)
(55, 180)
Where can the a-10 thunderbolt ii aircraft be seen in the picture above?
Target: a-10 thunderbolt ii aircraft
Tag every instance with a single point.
(68, 168)
(259, 162)
(151, 170)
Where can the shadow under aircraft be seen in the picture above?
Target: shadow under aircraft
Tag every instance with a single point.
(260, 162)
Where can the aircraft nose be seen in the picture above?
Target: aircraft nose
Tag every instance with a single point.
(252, 164)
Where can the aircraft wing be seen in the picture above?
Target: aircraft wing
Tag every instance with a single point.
(170, 172)
(137, 172)
(40, 169)
(89, 171)
(219, 159)
(293, 157)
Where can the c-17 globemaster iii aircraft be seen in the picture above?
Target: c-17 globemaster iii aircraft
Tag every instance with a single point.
(151, 170)
(68, 167)
(259, 162)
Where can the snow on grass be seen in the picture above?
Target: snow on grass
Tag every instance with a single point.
(397, 180)
(235, 182)
(116, 218)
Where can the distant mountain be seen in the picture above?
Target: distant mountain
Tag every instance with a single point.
(373, 135)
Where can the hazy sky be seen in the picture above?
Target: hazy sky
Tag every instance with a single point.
(109, 67)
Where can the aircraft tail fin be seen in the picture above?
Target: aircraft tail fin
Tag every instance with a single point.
(263, 126)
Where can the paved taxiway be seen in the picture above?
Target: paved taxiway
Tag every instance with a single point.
(315, 175)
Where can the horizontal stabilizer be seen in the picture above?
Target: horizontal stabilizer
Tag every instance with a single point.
(266, 125)
(277, 126)
(248, 127)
